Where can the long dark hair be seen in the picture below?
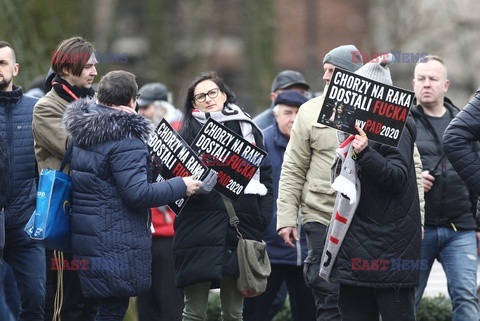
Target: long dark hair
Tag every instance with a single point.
(188, 103)
(4, 172)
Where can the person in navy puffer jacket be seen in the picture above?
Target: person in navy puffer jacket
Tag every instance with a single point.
(112, 194)
(286, 262)
(461, 133)
(26, 257)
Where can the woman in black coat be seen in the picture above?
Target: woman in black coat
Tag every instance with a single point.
(204, 242)
(378, 259)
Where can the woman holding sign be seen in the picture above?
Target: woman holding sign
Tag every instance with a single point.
(373, 243)
(112, 194)
(204, 242)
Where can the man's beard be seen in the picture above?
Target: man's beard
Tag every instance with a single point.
(4, 83)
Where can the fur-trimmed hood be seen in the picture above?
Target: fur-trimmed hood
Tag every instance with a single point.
(90, 123)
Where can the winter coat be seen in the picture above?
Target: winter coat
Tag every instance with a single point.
(265, 118)
(461, 133)
(111, 197)
(4, 174)
(204, 242)
(448, 202)
(386, 225)
(16, 111)
(51, 139)
(305, 179)
(278, 251)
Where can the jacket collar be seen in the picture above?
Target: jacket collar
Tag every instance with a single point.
(417, 110)
(9, 97)
(90, 123)
(279, 138)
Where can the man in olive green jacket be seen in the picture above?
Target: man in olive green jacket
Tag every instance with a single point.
(73, 66)
(305, 183)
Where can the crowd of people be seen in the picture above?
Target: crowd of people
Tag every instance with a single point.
(416, 202)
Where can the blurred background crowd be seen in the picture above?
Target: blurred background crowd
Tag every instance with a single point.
(247, 41)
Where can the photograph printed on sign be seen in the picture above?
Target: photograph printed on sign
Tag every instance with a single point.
(234, 158)
(379, 109)
(174, 157)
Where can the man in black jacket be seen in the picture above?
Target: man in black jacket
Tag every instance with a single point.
(450, 225)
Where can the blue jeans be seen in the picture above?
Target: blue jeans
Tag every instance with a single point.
(27, 260)
(457, 252)
(9, 295)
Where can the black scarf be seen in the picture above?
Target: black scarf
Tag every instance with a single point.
(78, 91)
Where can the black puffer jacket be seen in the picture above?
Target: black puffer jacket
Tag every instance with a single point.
(204, 242)
(386, 225)
(458, 144)
(449, 201)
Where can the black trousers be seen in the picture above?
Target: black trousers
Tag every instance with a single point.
(301, 298)
(366, 304)
(163, 302)
(324, 293)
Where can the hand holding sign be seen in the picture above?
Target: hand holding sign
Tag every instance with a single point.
(361, 141)
(192, 185)
(176, 159)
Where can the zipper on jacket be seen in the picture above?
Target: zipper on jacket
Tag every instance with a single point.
(9, 142)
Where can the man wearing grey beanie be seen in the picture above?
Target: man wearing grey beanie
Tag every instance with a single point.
(346, 57)
(305, 184)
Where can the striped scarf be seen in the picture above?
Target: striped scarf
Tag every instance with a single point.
(347, 185)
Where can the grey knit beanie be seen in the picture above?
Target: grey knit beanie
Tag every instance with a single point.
(377, 69)
(347, 57)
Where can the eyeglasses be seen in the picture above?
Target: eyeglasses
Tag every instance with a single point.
(138, 96)
(212, 93)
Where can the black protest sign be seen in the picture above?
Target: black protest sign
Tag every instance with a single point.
(380, 110)
(234, 158)
(175, 157)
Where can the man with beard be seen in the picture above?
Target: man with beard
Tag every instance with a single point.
(26, 258)
(73, 66)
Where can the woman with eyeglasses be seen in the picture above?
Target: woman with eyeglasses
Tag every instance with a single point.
(204, 241)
